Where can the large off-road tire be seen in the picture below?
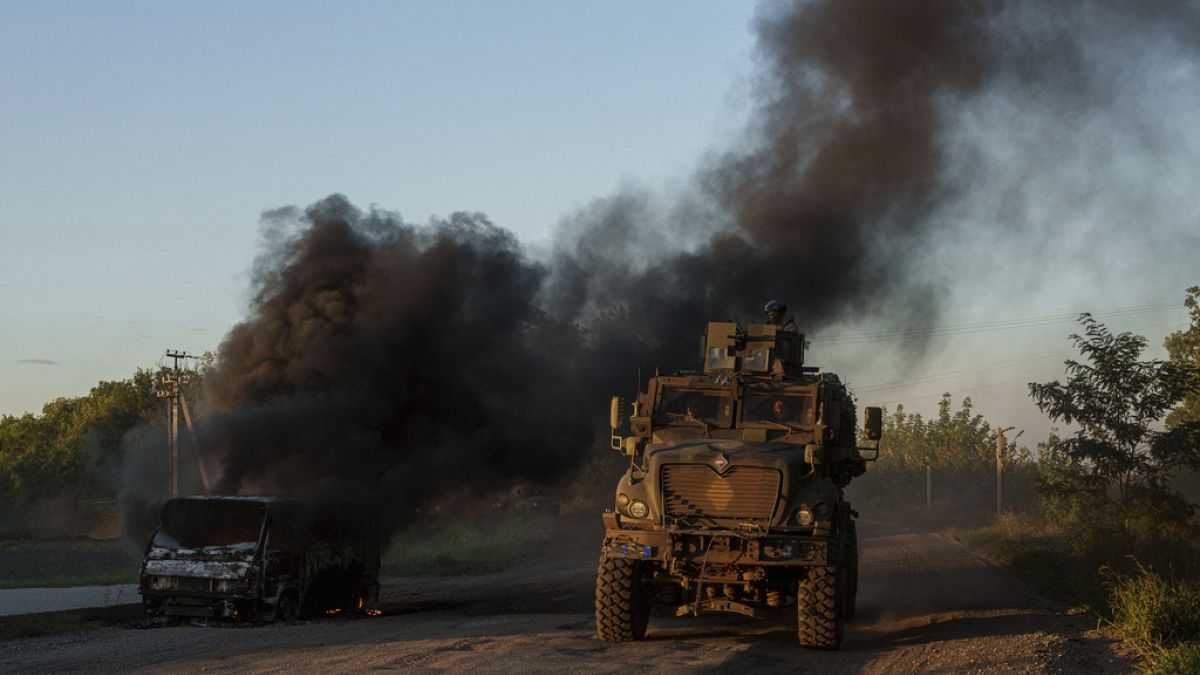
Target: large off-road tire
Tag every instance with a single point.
(851, 562)
(821, 608)
(622, 604)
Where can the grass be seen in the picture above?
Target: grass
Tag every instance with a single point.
(1095, 568)
(30, 563)
(1181, 660)
(1041, 558)
(1150, 610)
(468, 547)
(1159, 616)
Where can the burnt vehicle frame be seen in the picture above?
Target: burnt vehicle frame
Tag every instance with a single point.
(205, 559)
(733, 500)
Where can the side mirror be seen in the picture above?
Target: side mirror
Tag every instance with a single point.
(616, 413)
(873, 423)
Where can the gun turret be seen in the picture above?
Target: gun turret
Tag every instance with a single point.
(762, 348)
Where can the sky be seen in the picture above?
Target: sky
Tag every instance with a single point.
(140, 142)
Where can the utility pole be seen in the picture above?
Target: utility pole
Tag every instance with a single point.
(928, 488)
(1000, 466)
(170, 380)
(929, 482)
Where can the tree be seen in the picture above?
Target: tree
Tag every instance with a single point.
(1116, 400)
(74, 448)
(960, 440)
(1184, 346)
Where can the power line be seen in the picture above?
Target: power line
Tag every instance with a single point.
(899, 384)
(926, 379)
(896, 384)
(985, 326)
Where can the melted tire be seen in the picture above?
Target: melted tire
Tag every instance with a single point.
(285, 610)
(821, 608)
(622, 608)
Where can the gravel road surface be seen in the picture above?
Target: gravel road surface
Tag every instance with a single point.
(926, 604)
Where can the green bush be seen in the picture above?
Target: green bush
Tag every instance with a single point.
(1182, 660)
(1152, 611)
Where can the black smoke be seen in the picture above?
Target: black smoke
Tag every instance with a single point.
(410, 360)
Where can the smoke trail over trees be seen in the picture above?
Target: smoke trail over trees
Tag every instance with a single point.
(840, 166)
(407, 360)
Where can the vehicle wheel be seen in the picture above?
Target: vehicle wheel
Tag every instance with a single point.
(821, 608)
(851, 570)
(287, 608)
(622, 606)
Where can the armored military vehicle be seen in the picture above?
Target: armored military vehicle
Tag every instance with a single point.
(733, 498)
(260, 558)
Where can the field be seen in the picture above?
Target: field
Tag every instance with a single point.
(31, 563)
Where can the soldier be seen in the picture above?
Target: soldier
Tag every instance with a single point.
(776, 313)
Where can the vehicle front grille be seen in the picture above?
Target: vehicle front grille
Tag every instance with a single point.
(189, 584)
(742, 492)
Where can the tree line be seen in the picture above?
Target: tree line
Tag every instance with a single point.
(1133, 454)
(68, 459)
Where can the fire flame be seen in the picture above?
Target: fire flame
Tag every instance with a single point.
(374, 612)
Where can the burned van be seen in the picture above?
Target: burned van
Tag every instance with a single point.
(260, 558)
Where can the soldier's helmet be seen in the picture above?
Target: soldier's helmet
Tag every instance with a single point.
(775, 310)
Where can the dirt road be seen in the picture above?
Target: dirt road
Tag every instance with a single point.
(927, 604)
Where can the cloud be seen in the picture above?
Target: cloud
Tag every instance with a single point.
(38, 362)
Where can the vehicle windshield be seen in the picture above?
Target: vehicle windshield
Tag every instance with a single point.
(778, 408)
(689, 406)
(205, 523)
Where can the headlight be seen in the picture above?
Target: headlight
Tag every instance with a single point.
(622, 500)
(823, 510)
(638, 509)
(804, 516)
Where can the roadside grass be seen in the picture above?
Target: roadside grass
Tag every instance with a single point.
(1041, 557)
(1181, 660)
(465, 547)
(1140, 581)
(1160, 617)
(32, 563)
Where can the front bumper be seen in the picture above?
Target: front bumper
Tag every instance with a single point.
(188, 599)
(196, 606)
(719, 547)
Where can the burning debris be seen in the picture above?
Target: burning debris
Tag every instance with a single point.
(260, 558)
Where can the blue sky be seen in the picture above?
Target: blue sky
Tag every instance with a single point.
(139, 142)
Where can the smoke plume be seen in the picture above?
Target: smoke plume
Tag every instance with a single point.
(408, 360)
